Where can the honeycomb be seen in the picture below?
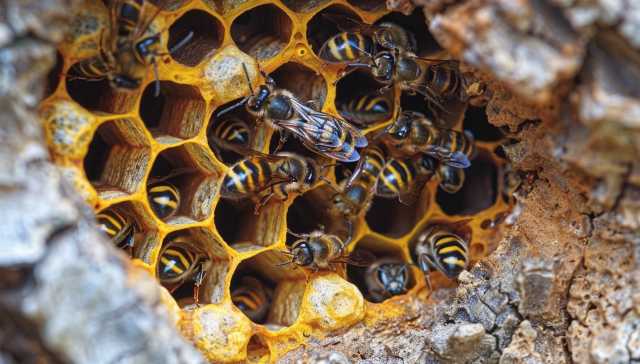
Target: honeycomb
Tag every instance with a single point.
(112, 144)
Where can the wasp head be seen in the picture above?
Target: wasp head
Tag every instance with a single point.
(393, 277)
(302, 254)
(256, 102)
(383, 66)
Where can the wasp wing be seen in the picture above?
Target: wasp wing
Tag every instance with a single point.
(325, 134)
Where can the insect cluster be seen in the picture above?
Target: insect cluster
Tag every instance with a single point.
(238, 152)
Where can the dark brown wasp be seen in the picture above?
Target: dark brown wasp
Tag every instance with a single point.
(320, 132)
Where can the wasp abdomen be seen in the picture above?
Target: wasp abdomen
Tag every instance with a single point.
(347, 46)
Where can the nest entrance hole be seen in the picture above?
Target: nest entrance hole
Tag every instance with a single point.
(475, 120)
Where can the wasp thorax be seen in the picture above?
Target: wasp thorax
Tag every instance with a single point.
(279, 108)
(408, 69)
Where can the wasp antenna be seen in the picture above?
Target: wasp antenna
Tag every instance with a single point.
(295, 234)
(182, 43)
(231, 107)
(246, 73)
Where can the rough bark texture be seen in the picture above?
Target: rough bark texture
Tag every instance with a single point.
(66, 295)
(562, 286)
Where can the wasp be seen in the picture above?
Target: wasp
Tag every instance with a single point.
(437, 248)
(436, 80)
(385, 278)
(252, 297)
(321, 251)
(358, 40)
(404, 178)
(179, 262)
(118, 228)
(412, 133)
(367, 110)
(320, 132)
(128, 50)
(268, 176)
(451, 178)
(355, 194)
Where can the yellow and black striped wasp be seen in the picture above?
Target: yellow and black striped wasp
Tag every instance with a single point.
(404, 178)
(179, 262)
(386, 277)
(252, 297)
(319, 132)
(412, 133)
(118, 228)
(358, 40)
(322, 251)
(367, 110)
(261, 176)
(128, 49)
(438, 248)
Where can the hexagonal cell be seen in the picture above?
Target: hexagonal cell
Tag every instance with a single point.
(303, 82)
(183, 255)
(119, 217)
(390, 217)
(177, 113)
(262, 32)
(475, 120)
(303, 6)
(359, 91)
(208, 33)
(54, 76)
(417, 25)
(479, 190)
(368, 5)
(388, 265)
(320, 28)
(117, 158)
(284, 284)
(182, 184)
(236, 127)
(98, 95)
(310, 212)
(258, 350)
